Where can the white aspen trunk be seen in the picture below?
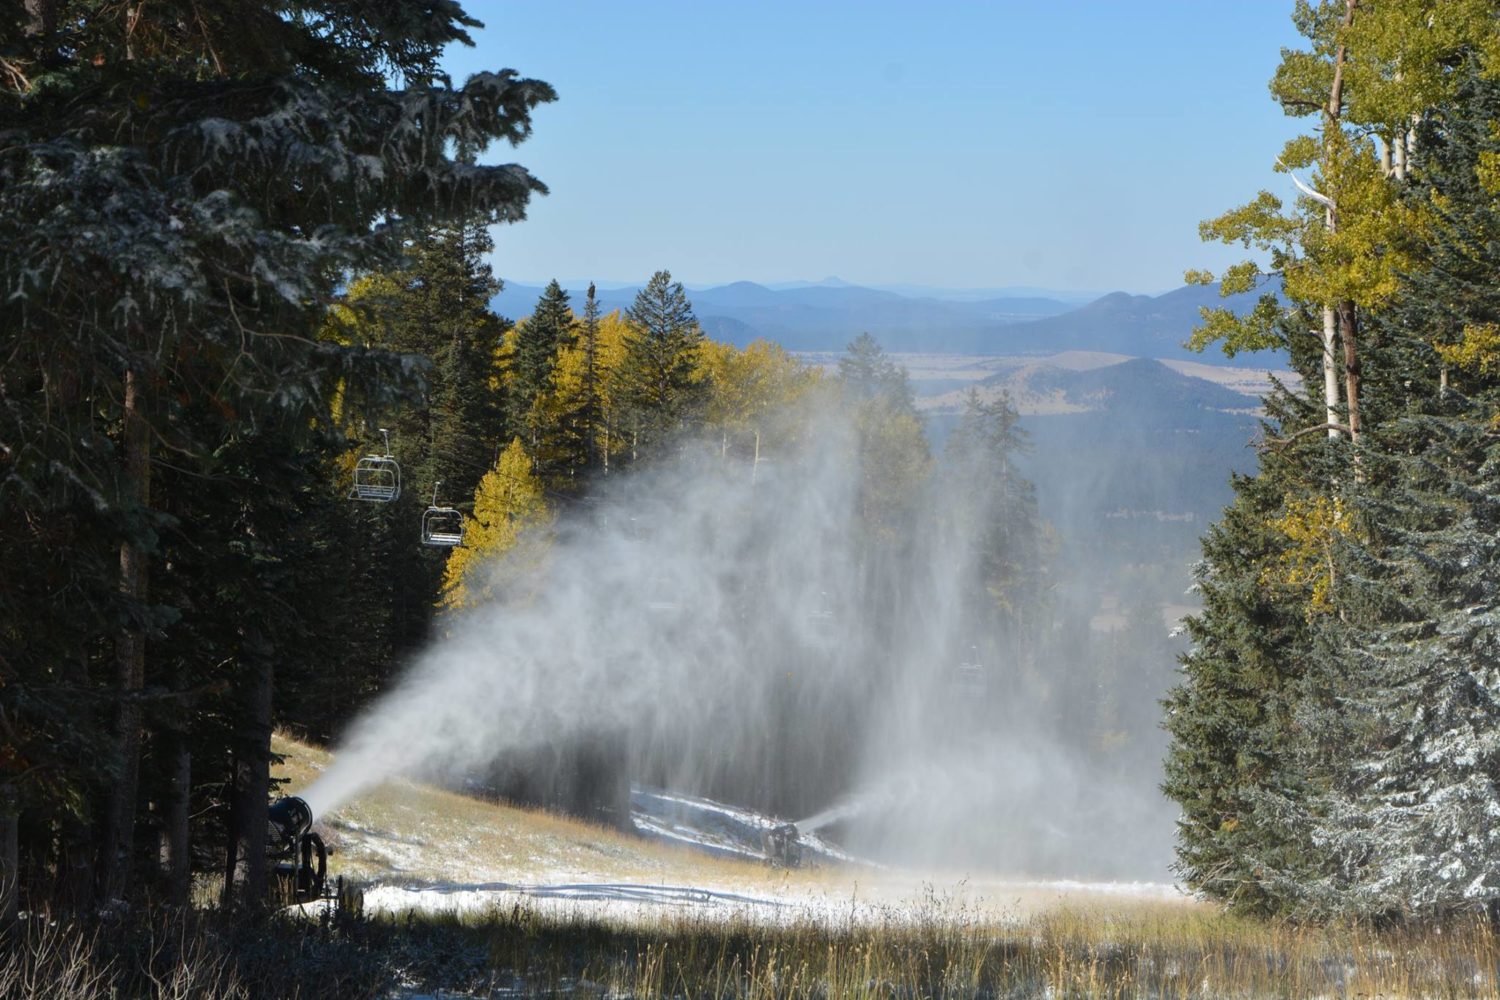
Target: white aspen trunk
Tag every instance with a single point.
(1332, 311)
(1330, 371)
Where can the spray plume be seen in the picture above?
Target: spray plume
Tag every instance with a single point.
(750, 631)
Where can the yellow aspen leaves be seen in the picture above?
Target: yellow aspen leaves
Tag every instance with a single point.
(510, 508)
(1312, 528)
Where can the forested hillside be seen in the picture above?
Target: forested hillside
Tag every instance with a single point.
(1335, 732)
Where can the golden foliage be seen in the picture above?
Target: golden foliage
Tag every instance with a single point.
(510, 508)
(1313, 529)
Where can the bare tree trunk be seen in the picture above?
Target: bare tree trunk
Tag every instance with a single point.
(130, 662)
(1330, 371)
(1331, 115)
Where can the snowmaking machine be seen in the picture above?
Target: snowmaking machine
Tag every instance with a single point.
(782, 845)
(301, 861)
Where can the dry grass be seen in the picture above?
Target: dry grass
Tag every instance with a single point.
(1134, 950)
(1145, 951)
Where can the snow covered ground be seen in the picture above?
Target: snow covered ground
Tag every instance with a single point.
(840, 889)
(879, 898)
(420, 848)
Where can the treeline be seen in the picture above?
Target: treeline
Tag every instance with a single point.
(1336, 736)
(184, 190)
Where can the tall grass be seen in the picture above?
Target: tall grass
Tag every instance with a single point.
(1140, 950)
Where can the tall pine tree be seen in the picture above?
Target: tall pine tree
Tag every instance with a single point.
(659, 386)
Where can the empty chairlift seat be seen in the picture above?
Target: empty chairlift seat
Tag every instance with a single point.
(442, 527)
(377, 478)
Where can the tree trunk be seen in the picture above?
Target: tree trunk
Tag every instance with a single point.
(130, 660)
(253, 783)
(78, 845)
(10, 856)
(179, 862)
(1345, 310)
(1330, 372)
(232, 841)
(1349, 333)
(41, 17)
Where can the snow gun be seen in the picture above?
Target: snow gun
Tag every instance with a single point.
(301, 859)
(782, 845)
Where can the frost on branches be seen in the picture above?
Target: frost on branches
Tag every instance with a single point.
(183, 204)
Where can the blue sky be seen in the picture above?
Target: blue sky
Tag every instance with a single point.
(1066, 144)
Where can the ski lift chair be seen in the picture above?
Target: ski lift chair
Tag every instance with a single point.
(442, 527)
(970, 677)
(821, 611)
(377, 478)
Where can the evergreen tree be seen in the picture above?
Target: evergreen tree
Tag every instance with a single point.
(894, 463)
(994, 508)
(1233, 765)
(535, 346)
(1335, 737)
(1407, 683)
(583, 410)
(167, 258)
(894, 457)
(658, 384)
(866, 373)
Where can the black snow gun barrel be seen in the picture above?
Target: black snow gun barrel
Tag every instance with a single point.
(301, 859)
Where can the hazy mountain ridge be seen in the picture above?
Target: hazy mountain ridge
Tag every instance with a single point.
(1140, 388)
(825, 317)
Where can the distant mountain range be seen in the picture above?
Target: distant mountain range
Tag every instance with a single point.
(826, 316)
